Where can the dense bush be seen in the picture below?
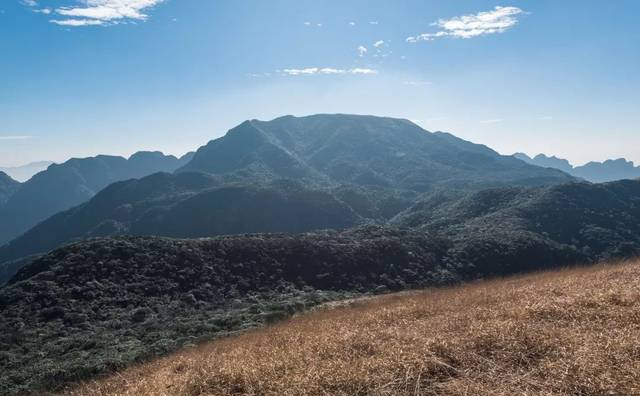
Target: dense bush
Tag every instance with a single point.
(100, 305)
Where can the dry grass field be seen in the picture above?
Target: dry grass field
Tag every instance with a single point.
(573, 332)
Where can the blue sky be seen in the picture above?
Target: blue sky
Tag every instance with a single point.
(559, 77)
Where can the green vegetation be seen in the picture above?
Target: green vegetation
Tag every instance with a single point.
(103, 304)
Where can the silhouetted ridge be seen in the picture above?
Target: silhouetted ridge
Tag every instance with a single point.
(63, 186)
(596, 172)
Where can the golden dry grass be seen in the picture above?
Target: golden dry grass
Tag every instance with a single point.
(573, 332)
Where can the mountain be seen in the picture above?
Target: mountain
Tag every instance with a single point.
(547, 162)
(63, 186)
(186, 205)
(609, 170)
(595, 172)
(8, 187)
(374, 167)
(363, 151)
(25, 172)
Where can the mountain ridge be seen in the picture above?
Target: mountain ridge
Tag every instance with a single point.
(62, 186)
(596, 172)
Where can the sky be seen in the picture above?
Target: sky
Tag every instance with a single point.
(86, 77)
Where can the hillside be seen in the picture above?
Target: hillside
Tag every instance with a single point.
(596, 172)
(63, 186)
(521, 226)
(104, 304)
(361, 150)
(186, 205)
(596, 221)
(153, 295)
(571, 332)
(8, 187)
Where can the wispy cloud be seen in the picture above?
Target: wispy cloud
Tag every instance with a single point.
(16, 137)
(310, 71)
(492, 121)
(362, 50)
(418, 83)
(498, 20)
(97, 12)
(378, 43)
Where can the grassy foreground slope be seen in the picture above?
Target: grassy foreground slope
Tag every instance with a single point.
(573, 332)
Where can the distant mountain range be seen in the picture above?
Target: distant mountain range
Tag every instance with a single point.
(595, 172)
(340, 170)
(66, 185)
(25, 172)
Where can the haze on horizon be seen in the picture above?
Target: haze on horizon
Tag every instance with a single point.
(82, 78)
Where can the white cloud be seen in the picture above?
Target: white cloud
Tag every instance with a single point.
(378, 43)
(352, 23)
(362, 50)
(492, 121)
(77, 22)
(98, 12)
(16, 137)
(373, 23)
(310, 71)
(499, 20)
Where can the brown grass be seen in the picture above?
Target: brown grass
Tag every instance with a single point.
(573, 332)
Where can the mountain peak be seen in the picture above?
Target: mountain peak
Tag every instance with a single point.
(332, 149)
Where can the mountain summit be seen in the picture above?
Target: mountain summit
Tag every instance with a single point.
(361, 150)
